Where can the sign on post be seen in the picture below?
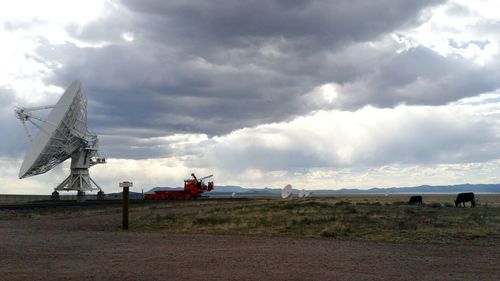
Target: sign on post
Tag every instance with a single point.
(126, 184)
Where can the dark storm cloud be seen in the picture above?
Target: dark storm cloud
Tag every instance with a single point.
(128, 87)
(418, 76)
(209, 66)
(241, 22)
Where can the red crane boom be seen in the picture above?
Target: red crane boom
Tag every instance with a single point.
(193, 188)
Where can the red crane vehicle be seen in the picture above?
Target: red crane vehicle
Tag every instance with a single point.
(193, 188)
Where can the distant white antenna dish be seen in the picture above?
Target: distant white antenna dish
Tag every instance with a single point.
(233, 195)
(62, 135)
(286, 192)
(304, 193)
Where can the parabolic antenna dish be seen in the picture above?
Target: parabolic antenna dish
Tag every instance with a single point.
(304, 193)
(233, 195)
(60, 135)
(286, 192)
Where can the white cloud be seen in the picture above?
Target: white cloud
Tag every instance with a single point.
(27, 25)
(369, 136)
(59, 12)
(461, 27)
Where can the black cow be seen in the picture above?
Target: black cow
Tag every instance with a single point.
(415, 200)
(465, 197)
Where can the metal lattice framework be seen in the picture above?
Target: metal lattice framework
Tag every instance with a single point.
(62, 135)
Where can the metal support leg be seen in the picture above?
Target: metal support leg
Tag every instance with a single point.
(55, 195)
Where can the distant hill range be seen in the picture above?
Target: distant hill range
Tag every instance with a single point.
(229, 189)
(487, 188)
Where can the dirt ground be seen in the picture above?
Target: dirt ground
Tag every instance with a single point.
(94, 248)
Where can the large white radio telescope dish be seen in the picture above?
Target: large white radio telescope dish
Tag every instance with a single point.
(62, 135)
(304, 193)
(286, 192)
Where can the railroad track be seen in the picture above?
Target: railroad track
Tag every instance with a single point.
(69, 203)
(90, 203)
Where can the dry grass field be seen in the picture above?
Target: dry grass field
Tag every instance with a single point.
(372, 218)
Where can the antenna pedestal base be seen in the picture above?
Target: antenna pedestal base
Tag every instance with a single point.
(100, 195)
(54, 195)
(80, 181)
(80, 196)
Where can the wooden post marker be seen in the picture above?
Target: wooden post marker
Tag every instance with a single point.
(125, 185)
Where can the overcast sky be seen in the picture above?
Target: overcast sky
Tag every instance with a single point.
(318, 94)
